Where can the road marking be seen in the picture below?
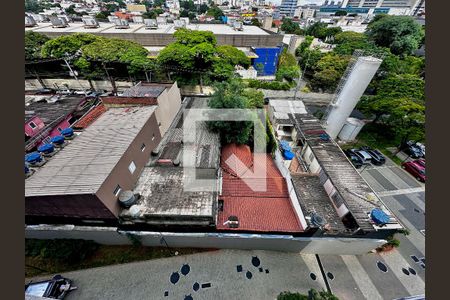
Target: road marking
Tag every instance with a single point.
(413, 284)
(361, 277)
(401, 192)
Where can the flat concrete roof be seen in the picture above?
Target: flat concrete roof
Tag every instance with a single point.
(140, 28)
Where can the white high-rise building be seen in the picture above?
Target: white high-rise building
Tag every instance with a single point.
(288, 7)
(396, 7)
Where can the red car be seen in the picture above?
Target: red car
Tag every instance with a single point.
(421, 162)
(415, 169)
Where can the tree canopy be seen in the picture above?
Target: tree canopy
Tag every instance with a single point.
(215, 11)
(33, 44)
(290, 26)
(401, 34)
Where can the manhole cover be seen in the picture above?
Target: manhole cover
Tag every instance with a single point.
(196, 286)
(174, 277)
(412, 271)
(249, 275)
(255, 261)
(313, 276)
(382, 266)
(185, 269)
(330, 275)
(188, 297)
(405, 271)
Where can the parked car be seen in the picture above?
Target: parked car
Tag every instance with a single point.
(422, 148)
(421, 162)
(413, 150)
(363, 155)
(415, 169)
(378, 159)
(56, 288)
(354, 159)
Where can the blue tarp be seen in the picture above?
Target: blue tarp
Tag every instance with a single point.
(379, 216)
(33, 157)
(46, 148)
(67, 132)
(288, 155)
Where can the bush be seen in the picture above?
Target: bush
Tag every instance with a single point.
(71, 251)
(312, 295)
(269, 85)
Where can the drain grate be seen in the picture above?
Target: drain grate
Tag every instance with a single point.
(414, 258)
(261, 270)
(313, 276)
(405, 271)
(166, 293)
(412, 271)
(206, 285)
(267, 271)
(382, 266)
(239, 268)
(188, 297)
(423, 266)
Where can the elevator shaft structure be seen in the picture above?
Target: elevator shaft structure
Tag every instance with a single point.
(354, 82)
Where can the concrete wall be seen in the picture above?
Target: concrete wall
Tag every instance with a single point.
(33, 84)
(169, 103)
(111, 236)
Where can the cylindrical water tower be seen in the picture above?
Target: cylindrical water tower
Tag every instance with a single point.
(350, 129)
(359, 77)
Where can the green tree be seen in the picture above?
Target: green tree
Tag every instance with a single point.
(312, 295)
(230, 95)
(304, 45)
(288, 68)
(71, 10)
(33, 6)
(401, 34)
(254, 98)
(256, 22)
(349, 41)
(33, 44)
(102, 16)
(289, 26)
(67, 44)
(203, 8)
(328, 71)
(215, 12)
(340, 13)
(233, 56)
(316, 29)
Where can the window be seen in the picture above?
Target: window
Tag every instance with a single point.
(117, 190)
(153, 137)
(132, 167)
(311, 157)
(59, 129)
(72, 120)
(32, 125)
(142, 147)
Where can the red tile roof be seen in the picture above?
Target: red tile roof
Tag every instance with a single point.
(259, 214)
(90, 117)
(268, 211)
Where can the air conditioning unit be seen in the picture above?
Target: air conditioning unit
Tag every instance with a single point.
(238, 26)
(138, 19)
(161, 20)
(90, 22)
(150, 24)
(112, 19)
(121, 24)
(186, 20)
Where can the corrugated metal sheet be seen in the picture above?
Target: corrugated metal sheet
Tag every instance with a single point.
(83, 165)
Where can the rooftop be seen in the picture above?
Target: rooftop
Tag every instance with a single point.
(143, 90)
(161, 186)
(266, 211)
(282, 108)
(90, 117)
(359, 198)
(83, 165)
(51, 111)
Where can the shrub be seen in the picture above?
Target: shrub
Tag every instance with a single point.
(312, 295)
(69, 250)
(269, 85)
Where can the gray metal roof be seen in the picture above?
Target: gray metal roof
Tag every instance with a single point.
(140, 90)
(345, 178)
(83, 165)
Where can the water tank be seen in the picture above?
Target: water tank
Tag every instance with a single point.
(127, 199)
(34, 157)
(379, 216)
(46, 148)
(67, 132)
(288, 155)
(351, 129)
(353, 87)
(57, 140)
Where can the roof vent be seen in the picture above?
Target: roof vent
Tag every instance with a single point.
(127, 198)
(59, 22)
(317, 220)
(138, 19)
(34, 159)
(179, 24)
(151, 24)
(47, 150)
(29, 21)
(90, 22)
(233, 222)
(121, 24)
(68, 133)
